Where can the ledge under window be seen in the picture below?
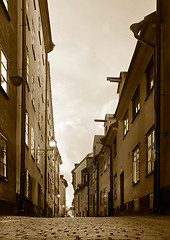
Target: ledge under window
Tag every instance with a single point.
(5, 93)
(135, 116)
(148, 94)
(150, 173)
(134, 183)
(3, 178)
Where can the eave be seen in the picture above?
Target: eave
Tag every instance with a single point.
(49, 45)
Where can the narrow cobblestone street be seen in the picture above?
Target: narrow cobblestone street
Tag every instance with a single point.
(144, 228)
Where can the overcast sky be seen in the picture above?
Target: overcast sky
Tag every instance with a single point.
(92, 41)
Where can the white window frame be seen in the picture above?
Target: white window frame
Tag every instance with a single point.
(6, 4)
(38, 156)
(33, 91)
(28, 66)
(150, 140)
(3, 156)
(126, 123)
(32, 142)
(136, 165)
(3, 71)
(136, 102)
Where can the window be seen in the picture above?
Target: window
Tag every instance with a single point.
(34, 4)
(3, 70)
(150, 76)
(150, 151)
(28, 67)
(3, 156)
(29, 185)
(105, 196)
(33, 38)
(136, 103)
(43, 54)
(101, 197)
(32, 143)
(115, 186)
(33, 92)
(115, 147)
(6, 3)
(38, 156)
(27, 13)
(42, 91)
(39, 115)
(135, 165)
(105, 165)
(26, 128)
(125, 123)
(38, 68)
(39, 29)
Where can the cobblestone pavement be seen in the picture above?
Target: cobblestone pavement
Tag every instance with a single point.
(144, 228)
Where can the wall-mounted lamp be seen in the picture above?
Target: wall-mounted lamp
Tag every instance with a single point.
(16, 80)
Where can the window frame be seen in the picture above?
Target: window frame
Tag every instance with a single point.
(4, 163)
(33, 91)
(3, 66)
(151, 161)
(114, 147)
(136, 105)
(136, 164)
(126, 123)
(149, 69)
(28, 66)
(32, 143)
(115, 186)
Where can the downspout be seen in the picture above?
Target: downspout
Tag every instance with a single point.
(88, 211)
(45, 167)
(136, 28)
(97, 184)
(157, 202)
(22, 174)
(111, 182)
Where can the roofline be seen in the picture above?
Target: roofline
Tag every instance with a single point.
(138, 44)
(44, 10)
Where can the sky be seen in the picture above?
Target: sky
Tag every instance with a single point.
(92, 41)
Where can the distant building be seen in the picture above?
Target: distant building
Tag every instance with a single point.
(62, 200)
(103, 161)
(80, 186)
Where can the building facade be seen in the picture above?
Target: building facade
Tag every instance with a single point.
(29, 167)
(81, 186)
(131, 160)
(8, 105)
(62, 200)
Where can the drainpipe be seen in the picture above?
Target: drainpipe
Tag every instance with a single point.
(22, 173)
(157, 202)
(97, 168)
(136, 28)
(111, 182)
(45, 167)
